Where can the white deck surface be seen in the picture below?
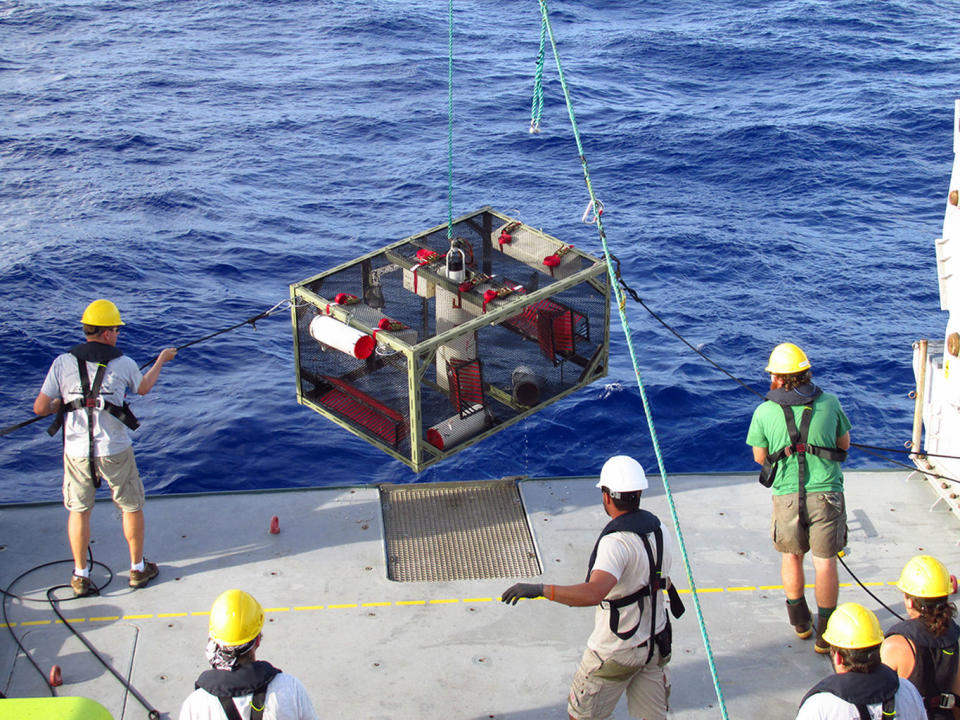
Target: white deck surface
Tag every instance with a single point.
(367, 647)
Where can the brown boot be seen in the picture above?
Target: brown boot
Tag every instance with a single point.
(821, 645)
(799, 615)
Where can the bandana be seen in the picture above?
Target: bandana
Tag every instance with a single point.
(224, 657)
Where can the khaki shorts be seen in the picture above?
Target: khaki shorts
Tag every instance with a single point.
(120, 473)
(598, 685)
(827, 531)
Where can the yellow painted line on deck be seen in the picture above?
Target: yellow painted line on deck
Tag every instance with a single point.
(401, 603)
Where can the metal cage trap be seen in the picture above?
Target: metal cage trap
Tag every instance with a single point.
(430, 345)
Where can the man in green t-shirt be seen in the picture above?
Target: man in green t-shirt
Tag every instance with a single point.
(801, 431)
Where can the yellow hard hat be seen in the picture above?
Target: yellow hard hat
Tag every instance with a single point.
(236, 618)
(787, 359)
(925, 577)
(853, 627)
(101, 313)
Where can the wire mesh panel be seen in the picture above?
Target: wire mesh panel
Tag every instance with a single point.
(457, 531)
(432, 344)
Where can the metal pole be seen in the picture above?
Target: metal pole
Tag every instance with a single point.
(920, 347)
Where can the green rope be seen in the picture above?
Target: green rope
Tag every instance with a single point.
(536, 109)
(621, 306)
(450, 121)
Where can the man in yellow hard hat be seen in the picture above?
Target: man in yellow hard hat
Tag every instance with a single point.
(630, 646)
(87, 388)
(239, 685)
(800, 436)
(861, 686)
(925, 648)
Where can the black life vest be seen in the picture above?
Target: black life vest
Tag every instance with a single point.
(936, 660)
(247, 679)
(804, 395)
(880, 685)
(642, 523)
(92, 401)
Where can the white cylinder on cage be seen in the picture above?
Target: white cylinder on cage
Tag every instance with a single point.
(454, 430)
(333, 333)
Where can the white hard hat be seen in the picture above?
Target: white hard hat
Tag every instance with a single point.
(622, 473)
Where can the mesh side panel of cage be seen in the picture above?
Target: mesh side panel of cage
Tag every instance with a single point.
(370, 395)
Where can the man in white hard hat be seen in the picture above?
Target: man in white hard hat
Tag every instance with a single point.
(800, 436)
(630, 645)
(87, 388)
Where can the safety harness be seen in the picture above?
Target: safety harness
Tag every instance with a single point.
(798, 437)
(247, 679)
(936, 661)
(642, 523)
(91, 401)
(880, 685)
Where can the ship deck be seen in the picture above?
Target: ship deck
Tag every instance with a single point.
(369, 647)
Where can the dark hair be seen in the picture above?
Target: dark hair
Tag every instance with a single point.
(628, 501)
(92, 330)
(861, 660)
(936, 613)
(792, 382)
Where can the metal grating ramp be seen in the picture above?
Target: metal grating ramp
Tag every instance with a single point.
(457, 531)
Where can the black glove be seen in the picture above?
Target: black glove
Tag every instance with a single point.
(522, 590)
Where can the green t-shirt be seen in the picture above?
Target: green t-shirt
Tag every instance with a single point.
(768, 429)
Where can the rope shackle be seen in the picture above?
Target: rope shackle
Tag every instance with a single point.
(590, 216)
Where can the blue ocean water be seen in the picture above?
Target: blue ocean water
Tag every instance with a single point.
(770, 170)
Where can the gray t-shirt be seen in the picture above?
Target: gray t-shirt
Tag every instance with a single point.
(622, 555)
(109, 434)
